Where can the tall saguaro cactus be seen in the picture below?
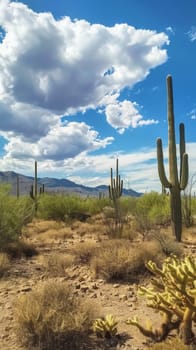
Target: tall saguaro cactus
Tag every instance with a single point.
(115, 192)
(33, 191)
(116, 185)
(175, 183)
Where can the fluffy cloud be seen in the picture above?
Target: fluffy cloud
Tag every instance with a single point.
(192, 34)
(122, 115)
(65, 64)
(61, 142)
(52, 68)
(21, 119)
(138, 169)
(192, 114)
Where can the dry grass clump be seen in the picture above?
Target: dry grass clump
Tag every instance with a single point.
(52, 317)
(167, 243)
(54, 234)
(40, 226)
(174, 344)
(4, 263)
(88, 228)
(47, 231)
(119, 259)
(84, 251)
(56, 265)
(128, 232)
(21, 248)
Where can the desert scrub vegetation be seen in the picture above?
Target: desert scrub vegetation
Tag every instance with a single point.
(55, 265)
(137, 215)
(151, 209)
(20, 248)
(119, 227)
(84, 251)
(53, 317)
(14, 213)
(4, 264)
(68, 207)
(119, 259)
(167, 242)
(173, 344)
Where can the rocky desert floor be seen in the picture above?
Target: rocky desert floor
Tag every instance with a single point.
(116, 298)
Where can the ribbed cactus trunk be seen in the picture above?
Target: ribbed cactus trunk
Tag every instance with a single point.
(33, 191)
(176, 214)
(174, 183)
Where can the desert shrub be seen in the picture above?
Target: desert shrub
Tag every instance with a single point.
(66, 207)
(152, 209)
(174, 344)
(55, 264)
(95, 205)
(83, 251)
(20, 248)
(119, 227)
(194, 205)
(118, 259)
(113, 225)
(127, 205)
(128, 232)
(168, 244)
(14, 213)
(52, 206)
(52, 317)
(4, 263)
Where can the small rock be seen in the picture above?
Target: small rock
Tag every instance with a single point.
(84, 289)
(26, 289)
(94, 295)
(133, 299)
(123, 297)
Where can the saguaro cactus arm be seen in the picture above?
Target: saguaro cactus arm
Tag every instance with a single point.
(183, 159)
(161, 169)
(184, 175)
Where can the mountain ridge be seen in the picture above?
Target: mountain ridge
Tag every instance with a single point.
(55, 185)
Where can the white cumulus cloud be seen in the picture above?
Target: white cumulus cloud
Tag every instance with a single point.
(61, 142)
(125, 114)
(62, 64)
(192, 33)
(50, 68)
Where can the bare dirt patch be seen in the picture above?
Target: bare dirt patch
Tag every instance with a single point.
(117, 298)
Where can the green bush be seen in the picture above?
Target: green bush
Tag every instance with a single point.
(65, 207)
(127, 205)
(194, 205)
(152, 209)
(14, 213)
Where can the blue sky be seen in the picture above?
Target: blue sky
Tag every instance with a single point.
(84, 82)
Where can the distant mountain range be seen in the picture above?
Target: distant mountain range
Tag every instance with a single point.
(55, 185)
